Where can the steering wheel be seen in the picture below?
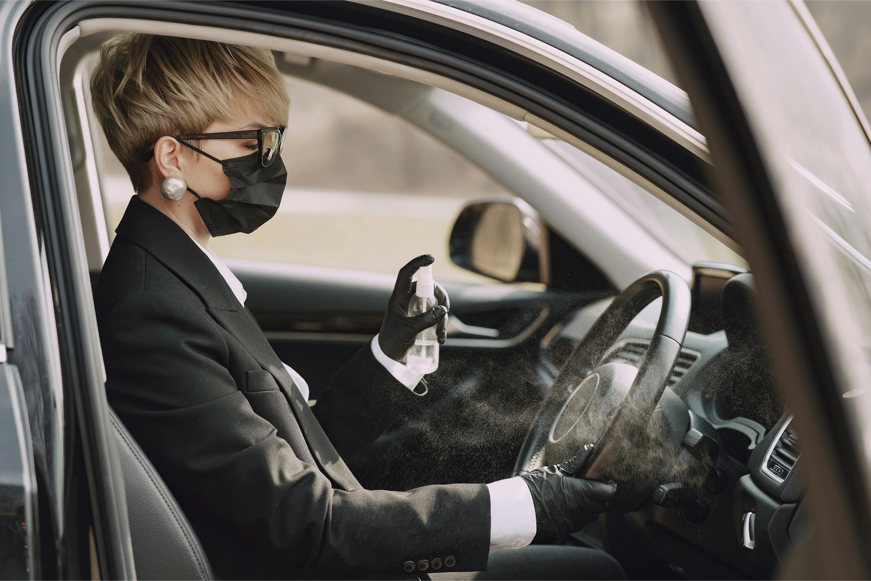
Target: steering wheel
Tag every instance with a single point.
(610, 404)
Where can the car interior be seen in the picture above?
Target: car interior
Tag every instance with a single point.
(548, 289)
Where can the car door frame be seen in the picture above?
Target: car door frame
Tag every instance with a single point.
(51, 283)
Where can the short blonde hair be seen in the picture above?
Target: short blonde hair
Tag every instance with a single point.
(146, 86)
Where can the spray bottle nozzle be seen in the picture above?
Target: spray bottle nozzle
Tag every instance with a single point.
(425, 285)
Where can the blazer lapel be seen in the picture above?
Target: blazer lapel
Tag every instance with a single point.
(160, 236)
(240, 323)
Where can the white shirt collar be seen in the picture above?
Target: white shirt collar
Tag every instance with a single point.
(241, 295)
(233, 282)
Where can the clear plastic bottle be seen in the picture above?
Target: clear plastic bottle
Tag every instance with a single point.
(423, 357)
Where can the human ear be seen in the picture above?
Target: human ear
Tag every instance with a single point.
(167, 156)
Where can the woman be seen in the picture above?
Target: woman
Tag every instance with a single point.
(198, 127)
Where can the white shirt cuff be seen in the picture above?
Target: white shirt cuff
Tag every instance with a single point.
(512, 514)
(401, 372)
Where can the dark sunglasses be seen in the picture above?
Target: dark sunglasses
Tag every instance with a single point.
(269, 140)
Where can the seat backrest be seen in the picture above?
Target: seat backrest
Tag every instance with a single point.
(164, 544)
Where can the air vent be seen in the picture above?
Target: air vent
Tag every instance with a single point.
(632, 350)
(783, 455)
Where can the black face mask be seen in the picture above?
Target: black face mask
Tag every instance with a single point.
(255, 194)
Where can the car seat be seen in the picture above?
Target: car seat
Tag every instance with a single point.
(164, 544)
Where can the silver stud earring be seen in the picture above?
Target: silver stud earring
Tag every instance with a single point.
(173, 188)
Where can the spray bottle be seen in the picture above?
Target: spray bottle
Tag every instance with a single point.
(423, 357)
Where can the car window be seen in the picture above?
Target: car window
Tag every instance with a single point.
(368, 191)
(680, 235)
(365, 191)
(370, 188)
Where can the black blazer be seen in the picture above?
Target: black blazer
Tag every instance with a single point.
(196, 382)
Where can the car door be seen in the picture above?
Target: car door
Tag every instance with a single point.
(77, 519)
(799, 192)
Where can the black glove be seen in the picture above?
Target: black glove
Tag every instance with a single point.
(398, 330)
(563, 502)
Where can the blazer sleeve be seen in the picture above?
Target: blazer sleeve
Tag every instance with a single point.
(362, 401)
(168, 377)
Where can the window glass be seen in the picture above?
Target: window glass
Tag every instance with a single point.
(671, 228)
(365, 190)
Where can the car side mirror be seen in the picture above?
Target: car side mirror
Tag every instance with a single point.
(504, 239)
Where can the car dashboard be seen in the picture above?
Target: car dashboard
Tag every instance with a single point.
(732, 506)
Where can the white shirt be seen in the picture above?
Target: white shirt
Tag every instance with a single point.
(512, 514)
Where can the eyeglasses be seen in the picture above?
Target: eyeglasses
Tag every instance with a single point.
(269, 140)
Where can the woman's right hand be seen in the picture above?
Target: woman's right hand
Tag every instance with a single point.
(398, 330)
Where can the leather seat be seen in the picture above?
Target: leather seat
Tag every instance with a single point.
(164, 544)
